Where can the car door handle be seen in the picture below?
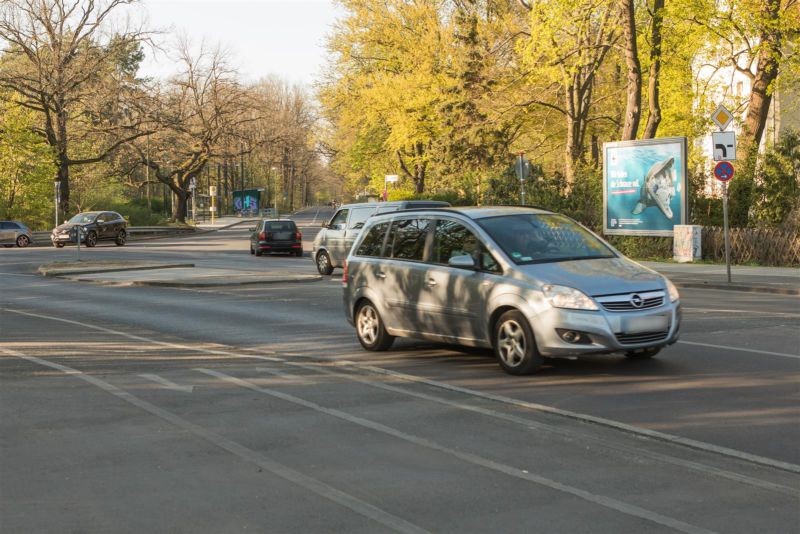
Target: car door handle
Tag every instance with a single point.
(381, 275)
(430, 282)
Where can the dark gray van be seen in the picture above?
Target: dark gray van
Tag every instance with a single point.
(334, 240)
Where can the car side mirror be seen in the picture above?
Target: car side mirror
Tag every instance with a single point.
(324, 225)
(463, 262)
(251, 229)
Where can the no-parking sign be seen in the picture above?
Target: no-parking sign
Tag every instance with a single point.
(723, 171)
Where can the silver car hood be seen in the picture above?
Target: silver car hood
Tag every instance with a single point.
(604, 276)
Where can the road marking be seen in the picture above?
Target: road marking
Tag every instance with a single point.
(748, 312)
(755, 351)
(168, 383)
(630, 429)
(602, 500)
(320, 488)
(533, 425)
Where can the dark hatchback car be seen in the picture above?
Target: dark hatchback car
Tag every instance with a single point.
(14, 233)
(276, 235)
(95, 226)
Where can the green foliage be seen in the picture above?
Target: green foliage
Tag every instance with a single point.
(776, 190)
(26, 170)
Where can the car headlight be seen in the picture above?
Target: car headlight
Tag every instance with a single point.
(568, 297)
(673, 291)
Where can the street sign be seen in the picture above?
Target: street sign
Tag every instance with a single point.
(392, 178)
(723, 171)
(193, 184)
(724, 146)
(212, 190)
(722, 117)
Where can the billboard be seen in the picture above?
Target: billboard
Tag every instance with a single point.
(644, 186)
(246, 200)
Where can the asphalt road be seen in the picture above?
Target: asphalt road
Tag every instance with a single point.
(253, 408)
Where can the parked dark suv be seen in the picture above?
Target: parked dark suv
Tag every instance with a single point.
(94, 226)
(276, 235)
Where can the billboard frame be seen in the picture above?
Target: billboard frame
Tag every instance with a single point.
(682, 181)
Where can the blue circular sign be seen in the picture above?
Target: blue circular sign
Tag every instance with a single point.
(723, 171)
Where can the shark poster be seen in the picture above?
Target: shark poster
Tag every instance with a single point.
(644, 186)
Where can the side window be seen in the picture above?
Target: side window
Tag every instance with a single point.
(373, 241)
(5, 226)
(359, 216)
(451, 239)
(407, 239)
(339, 220)
(101, 218)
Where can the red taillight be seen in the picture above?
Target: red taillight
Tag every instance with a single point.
(344, 273)
(298, 236)
(262, 236)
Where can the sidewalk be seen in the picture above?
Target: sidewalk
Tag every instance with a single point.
(776, 280)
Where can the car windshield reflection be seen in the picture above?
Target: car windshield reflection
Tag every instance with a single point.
(83, 218)
(544, 238)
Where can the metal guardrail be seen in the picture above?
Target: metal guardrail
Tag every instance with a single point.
(134, 233)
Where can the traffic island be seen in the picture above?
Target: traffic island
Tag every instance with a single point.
(67, 268)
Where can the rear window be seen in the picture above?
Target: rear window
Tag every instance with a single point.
(407, 239)
(372, 244)
(279, 226)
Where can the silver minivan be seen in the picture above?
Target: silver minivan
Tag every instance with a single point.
(527, 282)
(334, 240)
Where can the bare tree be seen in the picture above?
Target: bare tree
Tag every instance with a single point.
(202, 113)
(60, 62)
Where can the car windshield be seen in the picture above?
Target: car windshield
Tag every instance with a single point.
(83, 218)
(544, 238)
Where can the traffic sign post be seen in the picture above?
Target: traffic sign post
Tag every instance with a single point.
(724, 172)
(523, 170)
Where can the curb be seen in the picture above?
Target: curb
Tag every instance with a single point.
(98, 270)
(198, 284)
(737, 287)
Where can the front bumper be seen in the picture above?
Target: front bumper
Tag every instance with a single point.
(604, 332)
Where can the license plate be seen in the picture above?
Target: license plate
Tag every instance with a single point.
(650, 323)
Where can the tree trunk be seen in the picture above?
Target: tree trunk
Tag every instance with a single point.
(761, 92)
(62, 175)
(633, 107)
(653, 88)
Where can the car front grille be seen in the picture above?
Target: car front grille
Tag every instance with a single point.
(642, 337)
(632, 301)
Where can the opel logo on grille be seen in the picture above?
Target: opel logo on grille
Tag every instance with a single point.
(636, 300)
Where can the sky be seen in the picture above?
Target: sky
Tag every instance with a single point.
(264, 37)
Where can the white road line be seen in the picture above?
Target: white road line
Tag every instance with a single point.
(320, 488)
(652, 434)
(602, 500)
(748, 312)
(740, 349)
(533, 425)
(169, 384)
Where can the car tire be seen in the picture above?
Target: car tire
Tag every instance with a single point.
(299, 253)
(58, 245)
(515, 344)
(258, 252)
(642, 354)
(121, 238)
(324, 266)
(252, 250)
(91, 239)
(370, 330)
(23, 241)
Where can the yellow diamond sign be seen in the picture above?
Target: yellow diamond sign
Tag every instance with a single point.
(722, 117)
